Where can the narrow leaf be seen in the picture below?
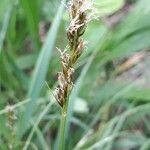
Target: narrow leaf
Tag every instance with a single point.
(41, 70)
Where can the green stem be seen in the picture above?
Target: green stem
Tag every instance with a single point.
(62, 127)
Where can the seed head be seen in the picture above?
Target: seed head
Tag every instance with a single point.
(80, 14)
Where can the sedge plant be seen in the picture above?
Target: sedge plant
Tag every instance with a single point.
(80, 13)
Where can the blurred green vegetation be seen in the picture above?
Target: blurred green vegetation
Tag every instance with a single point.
(109, 107)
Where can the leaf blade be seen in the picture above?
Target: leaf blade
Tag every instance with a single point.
(41, 69)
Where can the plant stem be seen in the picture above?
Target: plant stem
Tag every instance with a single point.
(62, 126)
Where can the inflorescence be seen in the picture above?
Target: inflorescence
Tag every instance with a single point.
(80, 12)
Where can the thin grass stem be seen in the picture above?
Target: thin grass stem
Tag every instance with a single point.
(61, 144)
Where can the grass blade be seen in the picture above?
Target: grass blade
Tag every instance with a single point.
(36, 125)
(76, 90)
(41, 69)
(4, 26)
(30, 9)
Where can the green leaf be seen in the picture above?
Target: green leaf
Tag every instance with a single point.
(26, 61)
(3, 8)
(76, 90)
(41, 70)
(107, 7)
(105, 138)
(131, 141)
(131, 23)
(5, 23)
(138, 94)
(146, 145)
(31, 12)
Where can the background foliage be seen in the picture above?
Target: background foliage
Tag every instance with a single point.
(110, 104)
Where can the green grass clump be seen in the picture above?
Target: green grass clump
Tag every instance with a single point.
(107, 98)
